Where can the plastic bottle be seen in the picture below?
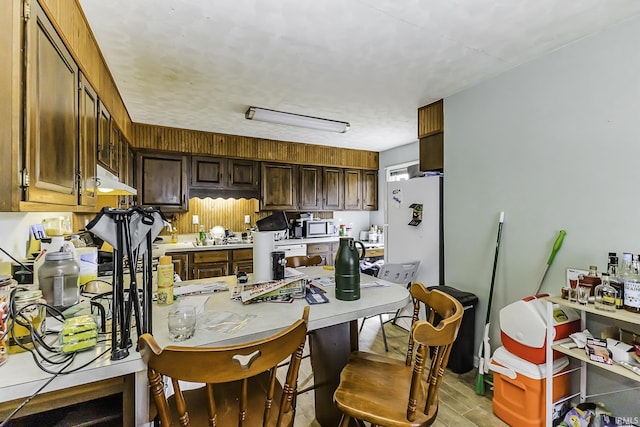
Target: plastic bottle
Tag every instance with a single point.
(165, 280)
(174, 235)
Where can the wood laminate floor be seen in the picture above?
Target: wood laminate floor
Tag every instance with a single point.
(459, 404)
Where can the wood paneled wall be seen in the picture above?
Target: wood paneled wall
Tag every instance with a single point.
(71, 24)
(217, 144)
(431, 119)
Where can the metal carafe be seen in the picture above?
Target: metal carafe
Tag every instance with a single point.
(347, 265)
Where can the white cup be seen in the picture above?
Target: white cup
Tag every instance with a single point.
(182, 322)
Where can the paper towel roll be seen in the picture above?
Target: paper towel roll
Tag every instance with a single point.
(263, 245)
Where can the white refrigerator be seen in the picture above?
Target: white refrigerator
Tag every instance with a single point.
(412, 232)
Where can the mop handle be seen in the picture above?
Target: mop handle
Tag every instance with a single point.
(495, 263)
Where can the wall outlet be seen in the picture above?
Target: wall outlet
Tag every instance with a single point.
(247, 219)
(195, 220)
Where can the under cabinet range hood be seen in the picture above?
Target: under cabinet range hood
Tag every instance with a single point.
(109, 185)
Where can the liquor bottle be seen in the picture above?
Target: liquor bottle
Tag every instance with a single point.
(605, 295)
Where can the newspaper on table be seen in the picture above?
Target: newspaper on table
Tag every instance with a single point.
(294, 283)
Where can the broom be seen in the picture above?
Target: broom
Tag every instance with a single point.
(484, 351)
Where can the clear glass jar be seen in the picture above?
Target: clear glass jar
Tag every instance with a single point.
(605, 295)
(30, 310)
(58, 278)
(6, 285)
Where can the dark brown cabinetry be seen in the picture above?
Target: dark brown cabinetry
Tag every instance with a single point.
(88, 136)
(332, 188)
(52, 116)
(162, 181)
(242, 260)
(279, 186)
(223, 177)
(352, 189)
(369, 190)
(431, 135)
(181, 264)
(310, 186)
(210, 264)
(107, 141)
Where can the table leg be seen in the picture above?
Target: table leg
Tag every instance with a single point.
(331, 347)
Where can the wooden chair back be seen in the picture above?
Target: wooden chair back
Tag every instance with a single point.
(240, 384)
(303, 260)
(433, 337)
(384, 391)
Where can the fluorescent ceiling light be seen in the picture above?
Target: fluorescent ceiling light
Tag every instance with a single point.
(109, 185)
(280, 117)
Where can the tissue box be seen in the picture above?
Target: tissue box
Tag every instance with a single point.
(620, 351)
(597, 351)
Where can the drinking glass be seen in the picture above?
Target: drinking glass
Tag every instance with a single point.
(182, 322)
(583, 294)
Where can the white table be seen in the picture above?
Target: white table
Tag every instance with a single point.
(333, 339)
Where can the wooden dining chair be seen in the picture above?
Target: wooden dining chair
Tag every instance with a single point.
(303, 260)
(389, 392)
(240, 384)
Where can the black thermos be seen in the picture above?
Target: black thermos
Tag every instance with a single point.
(278, 262)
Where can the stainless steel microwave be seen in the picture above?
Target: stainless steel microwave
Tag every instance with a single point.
(313, 228)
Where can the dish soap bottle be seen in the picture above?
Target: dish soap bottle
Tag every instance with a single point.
(174, 234)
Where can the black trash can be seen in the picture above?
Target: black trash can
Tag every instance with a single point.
(463, 349)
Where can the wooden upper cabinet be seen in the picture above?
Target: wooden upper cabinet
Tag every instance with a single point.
(223, 177)
(310, 187)
(162, 181)
(279, 186)
(432, 152)
(88, 144)
(332, 188)
(352, 190)
(431, 119)
(243, 174)
(369, 190)
(52, 115)
(208, 172)
(105, 147)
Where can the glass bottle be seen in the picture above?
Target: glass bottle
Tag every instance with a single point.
(605, 295)
(612, 264)
(30, 311)
(630, 284)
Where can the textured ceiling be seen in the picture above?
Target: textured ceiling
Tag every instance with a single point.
(199, 64)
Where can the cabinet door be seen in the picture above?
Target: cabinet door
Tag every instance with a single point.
(115, 144)
(88, 144)
(278, 186)
(162, 181)
(352, 189)
(105, 147)
(246, 266)
(243, 174)
(210, 269)
(52, 115)
(181, 264)
(332, 188)
(208, 172)
(310, 185)
(432, 152)
(370, 190)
